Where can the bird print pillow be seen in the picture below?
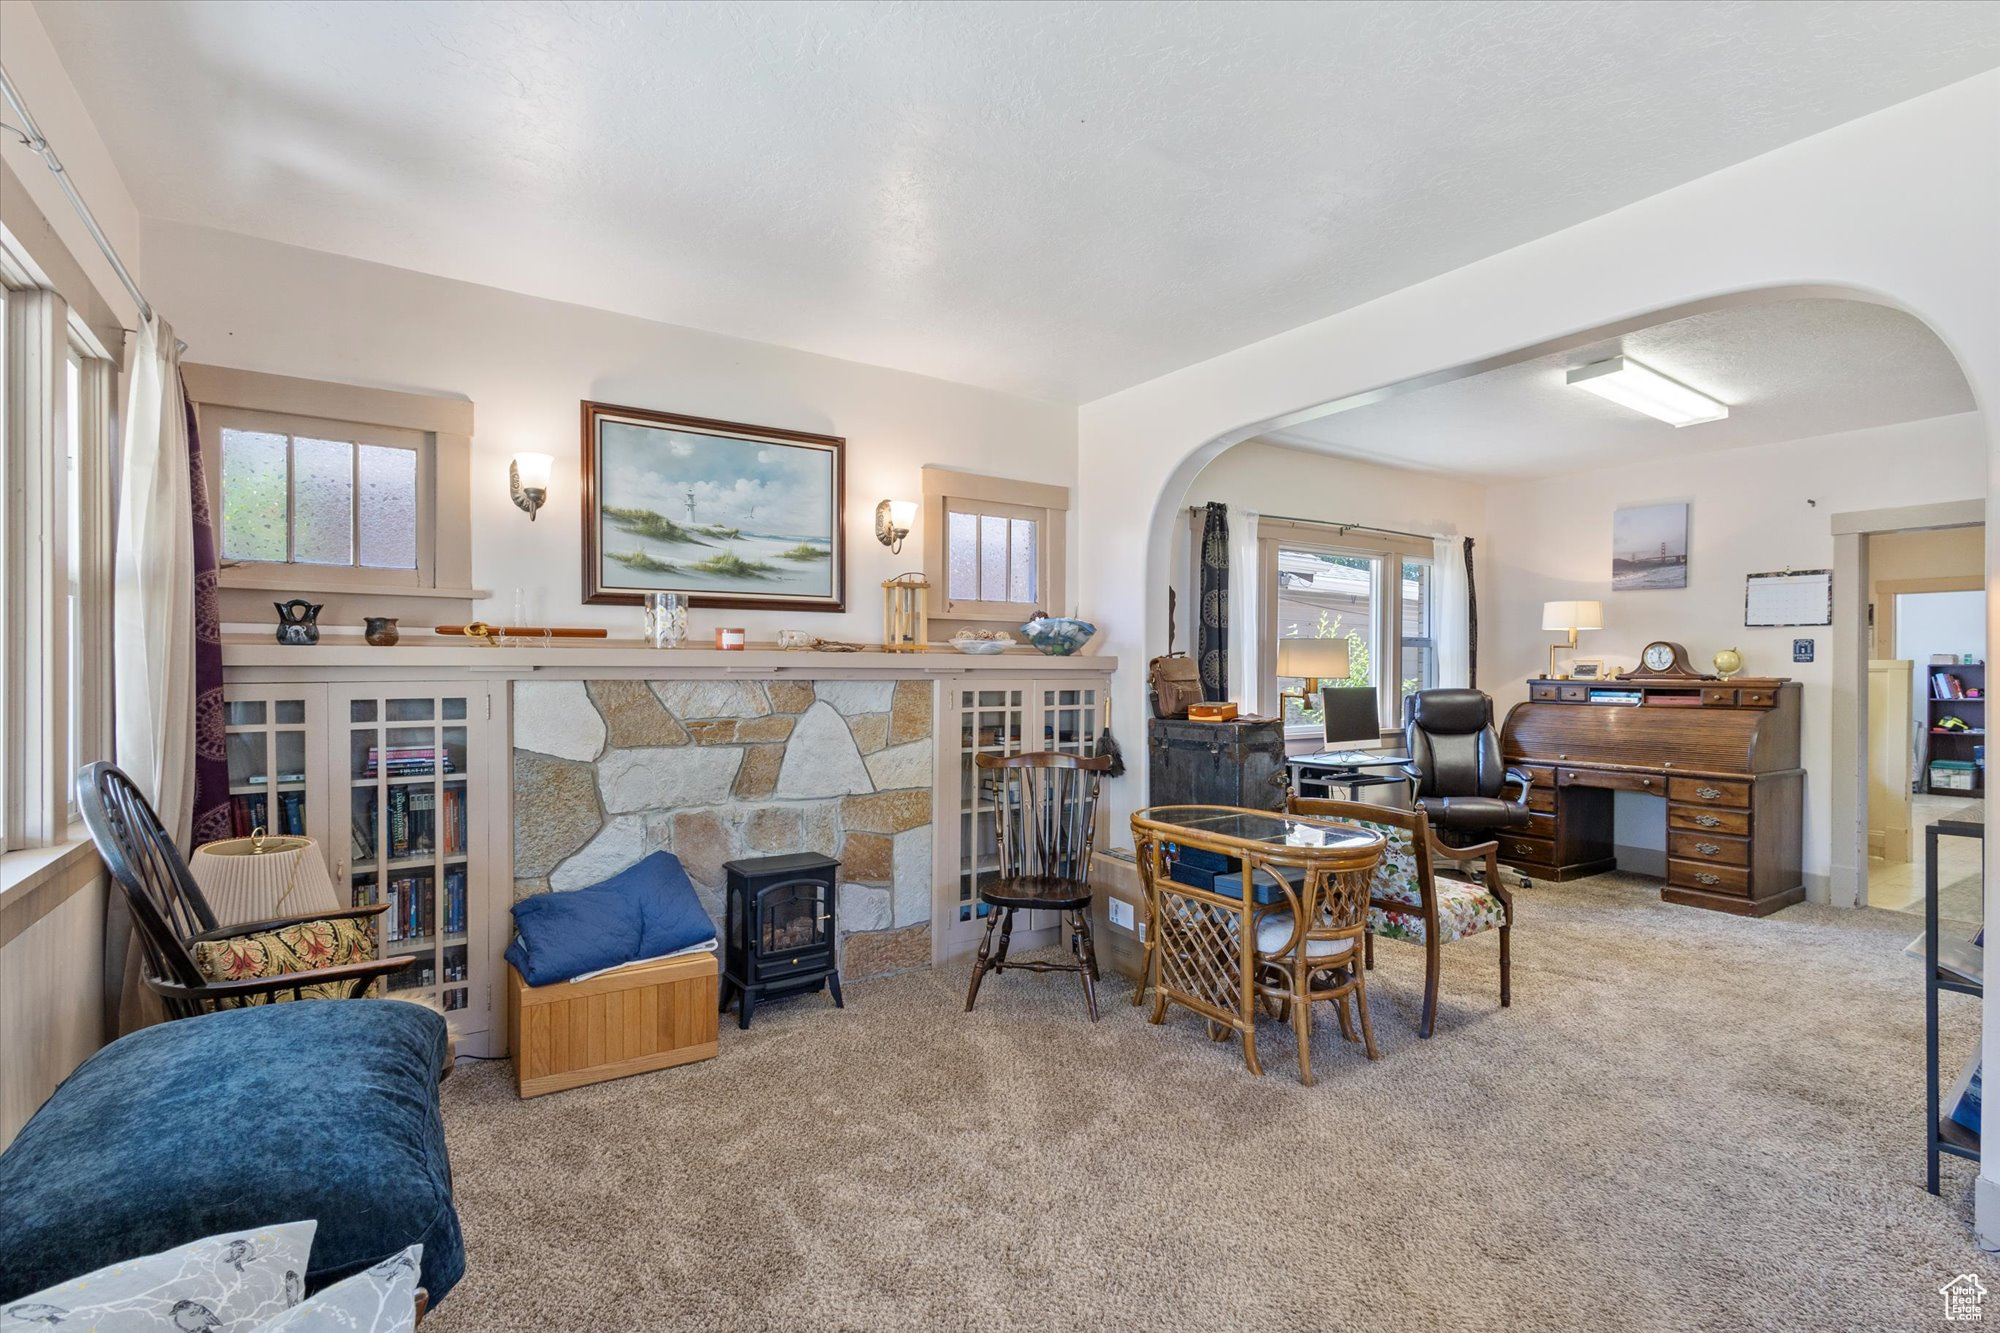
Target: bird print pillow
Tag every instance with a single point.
(383, 1299)
(232, 1283)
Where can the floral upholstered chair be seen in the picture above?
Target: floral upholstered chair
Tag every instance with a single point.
(1410, 901)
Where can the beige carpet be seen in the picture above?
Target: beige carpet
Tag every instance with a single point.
(1685, 1121)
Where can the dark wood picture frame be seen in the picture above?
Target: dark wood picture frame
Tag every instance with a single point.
(596, 591)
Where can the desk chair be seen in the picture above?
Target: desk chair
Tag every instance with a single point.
(1456, 774)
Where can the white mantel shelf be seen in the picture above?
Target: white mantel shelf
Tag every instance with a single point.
(430, 656)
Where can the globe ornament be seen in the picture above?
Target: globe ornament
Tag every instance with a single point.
(1728, 662)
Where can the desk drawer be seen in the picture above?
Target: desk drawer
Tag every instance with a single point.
(1573, 694)
(1718, 698)
(1541, 775)
(1527, 850)
(1542, 800)
(1708, 878)
(1700, 819)
(1713, 847)
(1611, 780)
(1543, 694)
(1541, 826)
(1710, 791)
(1757, 698)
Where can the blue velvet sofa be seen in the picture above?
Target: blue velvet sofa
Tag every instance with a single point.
(320, 1109)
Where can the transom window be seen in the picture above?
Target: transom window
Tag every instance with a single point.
(993, 547)
(992, 553)
(300, 497)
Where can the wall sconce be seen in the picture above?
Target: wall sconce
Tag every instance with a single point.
(528, 479)
(892, 522)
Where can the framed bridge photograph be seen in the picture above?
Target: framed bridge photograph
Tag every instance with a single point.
(1649, 547)
(728, 514)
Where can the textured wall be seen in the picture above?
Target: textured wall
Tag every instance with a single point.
(607, 771)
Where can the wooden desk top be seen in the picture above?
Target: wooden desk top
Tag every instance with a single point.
(1709, 727)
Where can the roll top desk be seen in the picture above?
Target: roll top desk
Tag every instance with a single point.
(1723, 754)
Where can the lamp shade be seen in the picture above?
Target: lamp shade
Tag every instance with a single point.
(534, 470)
(1572, 615)
(1315, 659)
(255, 879)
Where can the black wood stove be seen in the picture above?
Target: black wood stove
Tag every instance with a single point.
(780, 938)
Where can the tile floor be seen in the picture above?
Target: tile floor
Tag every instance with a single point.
(1899, 885)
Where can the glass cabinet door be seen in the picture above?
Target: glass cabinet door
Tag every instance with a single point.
(266, 737)
(992, 718)
(410, 774)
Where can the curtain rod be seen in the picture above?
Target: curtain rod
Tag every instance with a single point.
(31, 136)
(1344, 527)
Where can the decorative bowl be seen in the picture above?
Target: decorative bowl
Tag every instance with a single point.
(1058, 636)
(981, 647)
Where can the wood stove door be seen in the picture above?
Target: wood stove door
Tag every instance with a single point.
(794, 930)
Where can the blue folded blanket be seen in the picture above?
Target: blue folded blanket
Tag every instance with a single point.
(643, 911)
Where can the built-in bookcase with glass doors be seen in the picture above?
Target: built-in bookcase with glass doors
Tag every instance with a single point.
(997, 716)
(397, 784)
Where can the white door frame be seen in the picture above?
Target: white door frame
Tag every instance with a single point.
(1848, 881)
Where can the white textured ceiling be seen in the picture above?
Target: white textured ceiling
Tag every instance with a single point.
(1059, 199)
(1788, 370)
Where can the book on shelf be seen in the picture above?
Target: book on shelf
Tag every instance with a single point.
(1962, 1102)
(407, 760)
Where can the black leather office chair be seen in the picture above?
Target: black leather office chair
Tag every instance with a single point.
(1458, 778)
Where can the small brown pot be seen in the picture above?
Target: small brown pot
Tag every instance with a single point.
(380, 630)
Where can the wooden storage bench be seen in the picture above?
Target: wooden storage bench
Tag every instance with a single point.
(627, 1022)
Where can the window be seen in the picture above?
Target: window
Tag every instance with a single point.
(302, 499)
(299, 491)
(323, 489)
(992, 554)
(993, 548)
(55, 451)
(1374, 592)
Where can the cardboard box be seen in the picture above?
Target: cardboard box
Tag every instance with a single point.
(1118, 916)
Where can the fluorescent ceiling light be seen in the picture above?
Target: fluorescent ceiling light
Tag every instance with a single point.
(1624, 381)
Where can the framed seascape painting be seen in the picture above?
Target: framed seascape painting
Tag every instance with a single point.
(728, 514)
(1649, 547)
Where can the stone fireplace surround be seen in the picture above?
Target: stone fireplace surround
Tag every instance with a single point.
(608, 770)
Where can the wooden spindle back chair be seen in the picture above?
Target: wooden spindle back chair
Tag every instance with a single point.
(1045, 825)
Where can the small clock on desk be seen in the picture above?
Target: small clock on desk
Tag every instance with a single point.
(1662, 660)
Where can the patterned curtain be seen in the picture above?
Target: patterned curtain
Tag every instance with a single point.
(211, 757)
(1211, 642)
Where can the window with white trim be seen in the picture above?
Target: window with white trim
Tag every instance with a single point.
(1373, 591)
(993, 547)
(56, 445)
(335, 494)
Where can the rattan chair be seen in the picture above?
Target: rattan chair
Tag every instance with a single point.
(1045, 820)
(1410, 901)
(172, 916)
(1309, 949)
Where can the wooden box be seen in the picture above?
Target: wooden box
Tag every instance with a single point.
(627, 1022)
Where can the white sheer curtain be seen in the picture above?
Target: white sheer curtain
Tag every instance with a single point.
(153, 599)
(1450, 629)
(152, 642)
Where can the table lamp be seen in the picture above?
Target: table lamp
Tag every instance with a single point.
(1569, 617)
(258, 878)
(1311, 659)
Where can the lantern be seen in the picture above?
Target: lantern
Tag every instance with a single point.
(905, 622)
